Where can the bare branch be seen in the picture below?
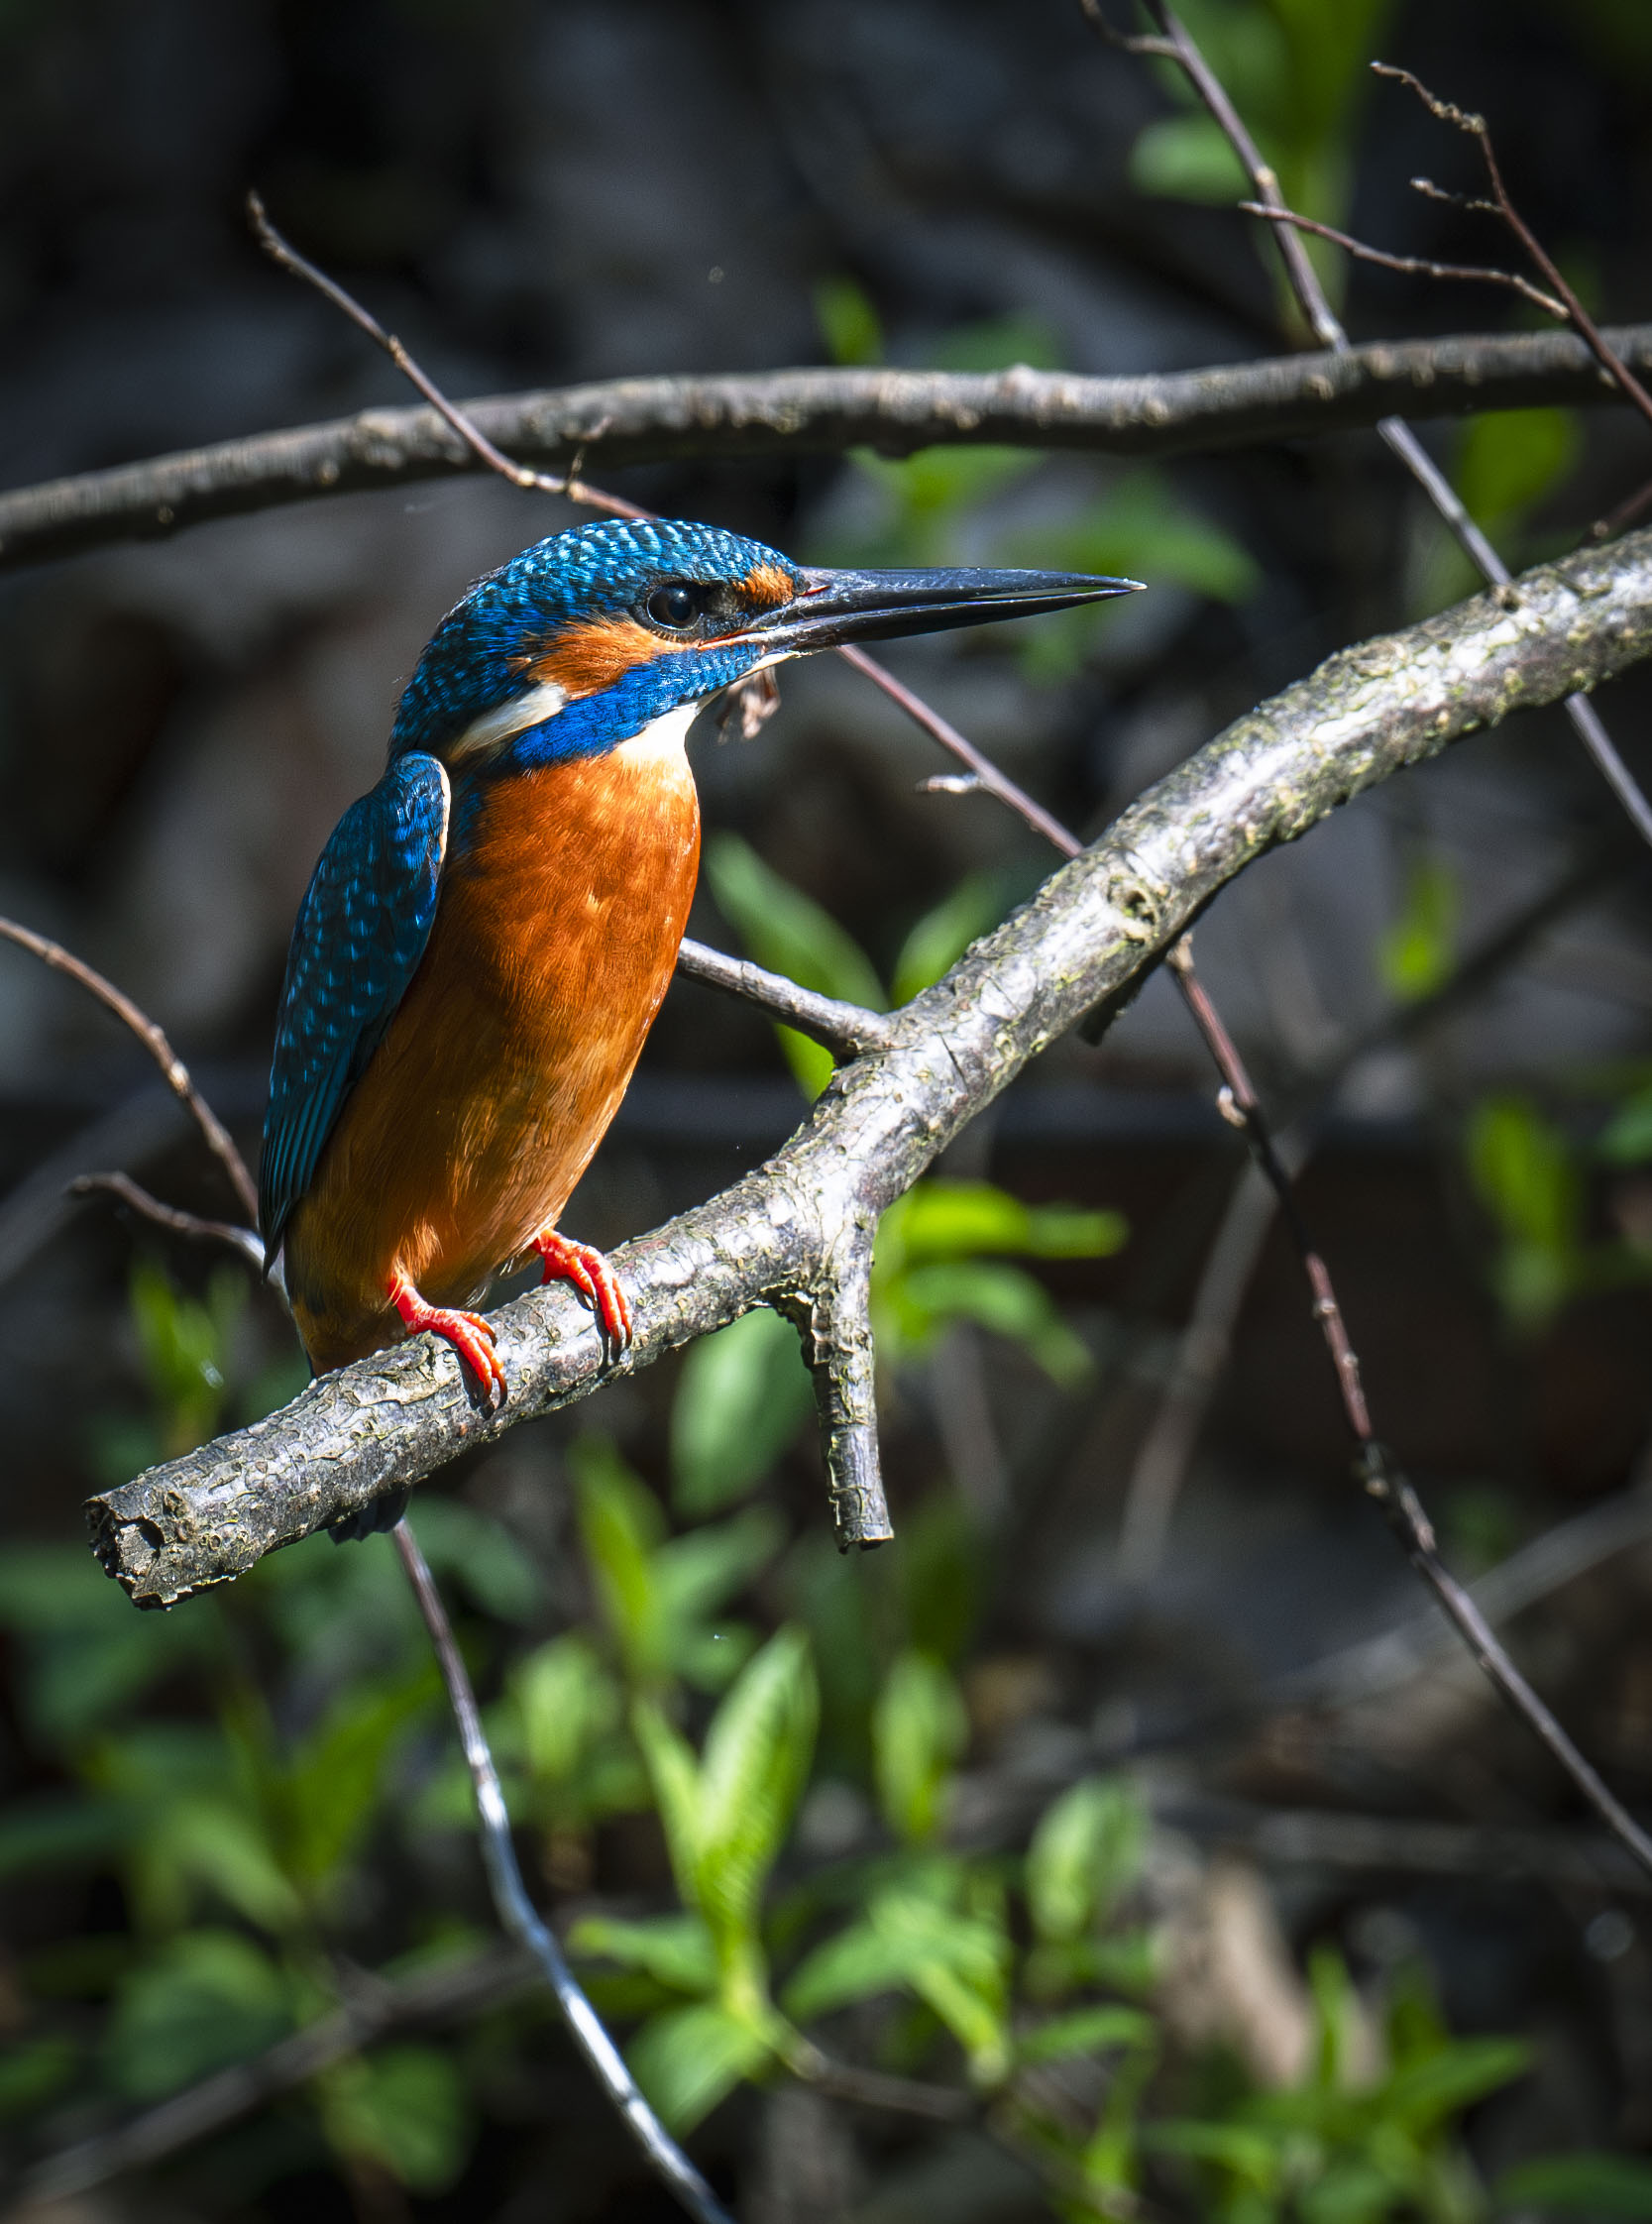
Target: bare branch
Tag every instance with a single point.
(216, 1135)
(983, 773)
(1417, 265)
(1094, 930)
(245, 1242)
(818, 412)
(522, 1920)
(1398, 434)
(848, 1029)
(287, 258)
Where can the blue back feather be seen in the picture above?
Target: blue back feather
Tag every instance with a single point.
(360, 932)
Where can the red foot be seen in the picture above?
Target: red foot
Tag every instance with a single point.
(591, 1275)
(469, 1334)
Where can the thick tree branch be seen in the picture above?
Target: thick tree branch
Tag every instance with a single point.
(1086, 938)
(654, 420)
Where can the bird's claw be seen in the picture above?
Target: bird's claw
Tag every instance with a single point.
(592, 1276)
(471, 1336)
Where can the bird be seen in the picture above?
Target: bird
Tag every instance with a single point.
(489, 931)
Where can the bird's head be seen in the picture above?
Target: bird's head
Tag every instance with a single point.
(592, 636)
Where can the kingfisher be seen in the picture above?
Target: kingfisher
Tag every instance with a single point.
(489, 931)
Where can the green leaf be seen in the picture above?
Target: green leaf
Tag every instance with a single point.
(1087, 2030)
(1187, 158)
(675, 1775)
(1003, 1298)
(1415, 955)
(950, 1220)
(184, 1345)
(1252, 2155)
(481, 1554)
(676, 1950)
(1523, 1172)
(743, 1396)
(206, 1999)
(848, 322)
(1627, 1140)
(1430, 2092)
(1084, 1855)
(693, 1575)
(1585, 2183)
(331, 1787)
(919, 1729)
(34, 2074)
(60, 1829)
(999, 344)
(406, 2109)
(755, 1765)
(856, 1965)
(790, 933)
(1510, 459)
(941, 937)
(958, 1966)
(565, 1700)
(687, 2060)
(621, 1527)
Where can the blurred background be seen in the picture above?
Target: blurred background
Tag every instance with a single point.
(1138, 1619)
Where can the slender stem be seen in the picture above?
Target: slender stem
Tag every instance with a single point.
(1328, 329)
(216, 1135)
(1415, 266)
(283, 253)
(520, 1918)
(245, 1242)
(848, 1028)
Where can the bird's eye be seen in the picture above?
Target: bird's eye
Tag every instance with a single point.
(677, 605)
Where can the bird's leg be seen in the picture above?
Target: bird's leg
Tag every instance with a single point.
(469, 1334)
(591, 1275)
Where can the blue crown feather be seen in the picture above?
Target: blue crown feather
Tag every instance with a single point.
(471, 663)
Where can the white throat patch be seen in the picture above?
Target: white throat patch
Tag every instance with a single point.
(515, 716)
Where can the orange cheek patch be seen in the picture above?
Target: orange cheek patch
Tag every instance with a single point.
(587, 658)
(766, 586)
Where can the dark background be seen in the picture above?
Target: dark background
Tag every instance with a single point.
(534, 194)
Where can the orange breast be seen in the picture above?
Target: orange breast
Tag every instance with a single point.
(554, 941)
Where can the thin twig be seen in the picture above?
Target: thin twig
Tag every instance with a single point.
(1396, 1497)
(455, 1989)
(281, 251)
(216, 1135)
(847, 1028)
(984, 773)
(245, 1242)
(522, 1919)
(1328, 329)
(1414, 266)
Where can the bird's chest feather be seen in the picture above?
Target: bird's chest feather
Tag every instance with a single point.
(555, 935)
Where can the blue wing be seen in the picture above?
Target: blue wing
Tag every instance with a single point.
(360, 932)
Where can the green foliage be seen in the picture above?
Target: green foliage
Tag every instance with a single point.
(1581, 2184)
(207, 1998)
(919, 1729)
(1507, 464)
(939, 939)
(1416, 954)
(743, 1396)
(687, 2060)
(184, 1351)
(407, 2109)
(1297, 71)
(1524, 1176)
(789, 933)
(850, 323)
(659, 1593)
(725, 1816)
(935, 1264)
(1328, 2151)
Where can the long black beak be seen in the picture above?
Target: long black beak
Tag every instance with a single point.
(837, 606)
